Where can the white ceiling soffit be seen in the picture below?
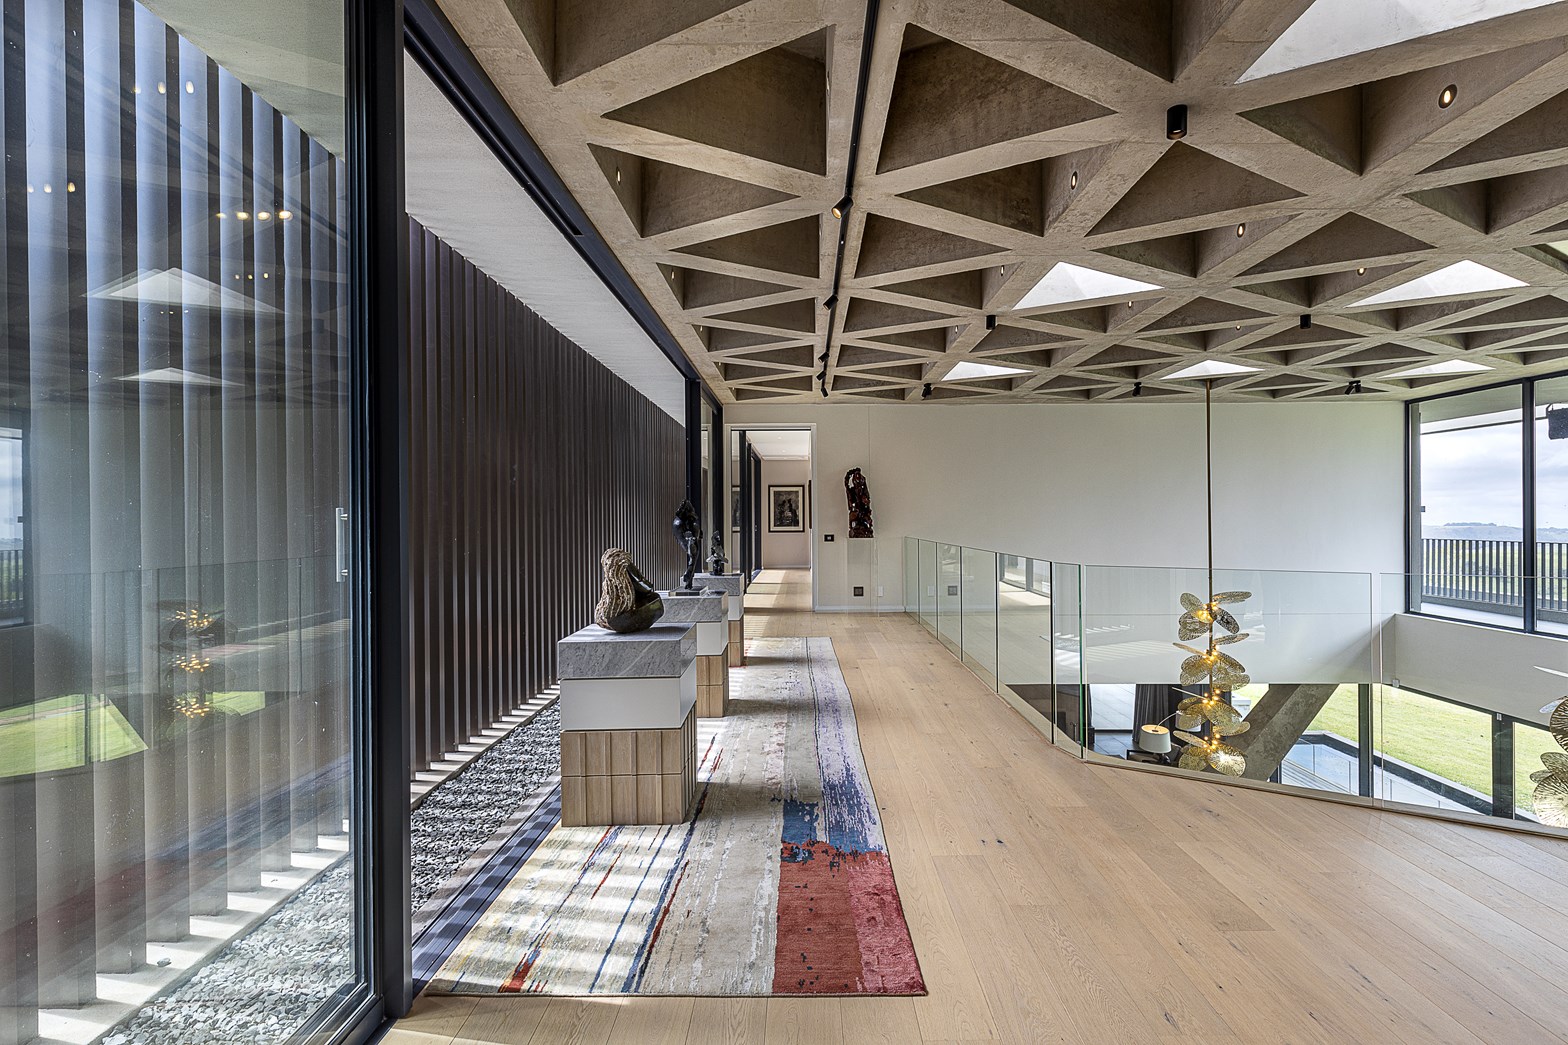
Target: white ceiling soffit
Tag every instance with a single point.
(781, 445)
(458, 190)
(1068, 282)
(1460, 279)
(1332, 29)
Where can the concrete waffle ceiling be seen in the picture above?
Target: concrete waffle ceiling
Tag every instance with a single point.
(1013, 163)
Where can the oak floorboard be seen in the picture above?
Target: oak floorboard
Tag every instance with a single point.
(1056, 901)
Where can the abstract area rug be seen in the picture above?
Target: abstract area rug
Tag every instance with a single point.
(778, 884)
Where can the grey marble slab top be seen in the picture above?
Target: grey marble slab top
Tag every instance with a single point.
(729, 583)
(687, 607)
(663, 651)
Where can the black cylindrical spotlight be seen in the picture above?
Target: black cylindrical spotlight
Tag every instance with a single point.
(990, 322)
(925, 393)
(823, 358)
(841, 208)
(1306, 321)
(1352, 388)
(830, 301)
(822, 375)
(824, 390)
(1176, 122)
(1137, 389)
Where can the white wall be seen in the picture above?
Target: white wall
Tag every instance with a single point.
(1487, 667)
(785, 549)
(1298, 486)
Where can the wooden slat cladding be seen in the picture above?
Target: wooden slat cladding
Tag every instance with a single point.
(529, 459)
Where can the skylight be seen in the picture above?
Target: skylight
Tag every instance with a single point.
(1447, 367)
(1211, 368)
(175, 286)
(1067, 282)
(967, 371)
(1332, 29)
(1462, 277)
(171, 375)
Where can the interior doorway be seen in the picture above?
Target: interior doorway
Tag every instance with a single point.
(774, 512)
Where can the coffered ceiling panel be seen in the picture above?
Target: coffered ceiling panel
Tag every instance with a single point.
(1380, 201)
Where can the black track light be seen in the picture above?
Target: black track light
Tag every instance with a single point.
(990, 322)
(1176, 122)
(822, 375)
(823, 358)
(925, 393)
(841, 208)
(1306, 321)
(824, 390)
(830, 301)
(1352, 388)
(1137, 389)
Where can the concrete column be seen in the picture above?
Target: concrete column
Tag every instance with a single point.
(67, 934)
(209, 815)
(1278, 721)
(167, 822)
(120, 850)
(275, 781)
(242, 743)
(18, 913)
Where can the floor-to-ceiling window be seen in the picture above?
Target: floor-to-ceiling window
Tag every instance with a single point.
(176, 465)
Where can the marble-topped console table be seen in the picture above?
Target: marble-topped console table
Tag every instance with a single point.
(731, 584)
(628, 725)
(708, 611)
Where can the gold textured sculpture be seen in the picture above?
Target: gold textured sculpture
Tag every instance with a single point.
(1211, 667)
(1551, 783)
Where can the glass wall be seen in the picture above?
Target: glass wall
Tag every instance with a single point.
(1468, 506)
(1551, 504)
(176, 712)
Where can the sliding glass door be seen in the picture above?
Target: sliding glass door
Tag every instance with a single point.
(178, 703)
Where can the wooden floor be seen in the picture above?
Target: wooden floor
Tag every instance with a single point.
(1055, 901)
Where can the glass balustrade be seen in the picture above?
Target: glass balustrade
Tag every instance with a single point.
(1313, 682)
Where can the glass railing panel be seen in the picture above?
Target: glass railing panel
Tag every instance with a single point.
(978, 591)
(912, 575)
(1305, 636)
(927, 589)
(950, 597)
(1529, 743)
(1024, 644)
(1069, 690)
(1327, 757)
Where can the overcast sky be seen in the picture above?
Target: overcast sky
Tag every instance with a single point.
(1473, 476)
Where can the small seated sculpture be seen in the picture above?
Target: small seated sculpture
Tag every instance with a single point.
(628, 602)
(688, 534)
(717, 563)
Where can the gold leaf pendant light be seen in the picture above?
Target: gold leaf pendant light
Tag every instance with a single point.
(1551, 783)
(1211, 667)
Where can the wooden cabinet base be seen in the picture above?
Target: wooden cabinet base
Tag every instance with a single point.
(713, 686)
(628, 776)
(737, 643)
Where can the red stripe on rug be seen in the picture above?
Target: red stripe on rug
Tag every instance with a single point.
(841, 928)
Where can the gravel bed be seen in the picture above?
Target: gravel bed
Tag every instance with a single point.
(459, 815)
(263, 986)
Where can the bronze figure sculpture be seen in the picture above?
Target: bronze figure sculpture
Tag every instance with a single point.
(717, 563)
(859, 503)
(688, 534)
(628, 601)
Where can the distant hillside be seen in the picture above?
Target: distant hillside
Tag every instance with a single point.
(1491, 532)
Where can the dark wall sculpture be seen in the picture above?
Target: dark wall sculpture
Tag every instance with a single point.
(688, 534)
(859, 503)
(529, 459)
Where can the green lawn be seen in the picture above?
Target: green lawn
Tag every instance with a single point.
(1443, 739)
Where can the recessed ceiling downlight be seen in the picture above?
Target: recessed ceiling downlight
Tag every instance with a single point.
(1211, 368)
(1460, 278)
(967, 371)
(1447, 367)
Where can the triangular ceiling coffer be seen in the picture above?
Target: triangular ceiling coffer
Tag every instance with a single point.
(575, 38)
(1326, 124)
(1542, 129)
(1136, 31)
(771, 106)
(1344, 240)
(1189, 183)
(949, 99)
(888, 245)
(659, 196)
(791, 316)
(788, 247)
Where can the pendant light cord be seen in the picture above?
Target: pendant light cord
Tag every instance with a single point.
(1208, 471)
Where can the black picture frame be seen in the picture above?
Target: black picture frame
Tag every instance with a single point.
(734, 507)
(786, 509)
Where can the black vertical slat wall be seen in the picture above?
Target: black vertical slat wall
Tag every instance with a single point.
(529, 458)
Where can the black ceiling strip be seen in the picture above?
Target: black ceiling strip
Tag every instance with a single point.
(868, 37)
(443, 55)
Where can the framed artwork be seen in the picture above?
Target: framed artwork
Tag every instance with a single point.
(734, 507)
(786, 509)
